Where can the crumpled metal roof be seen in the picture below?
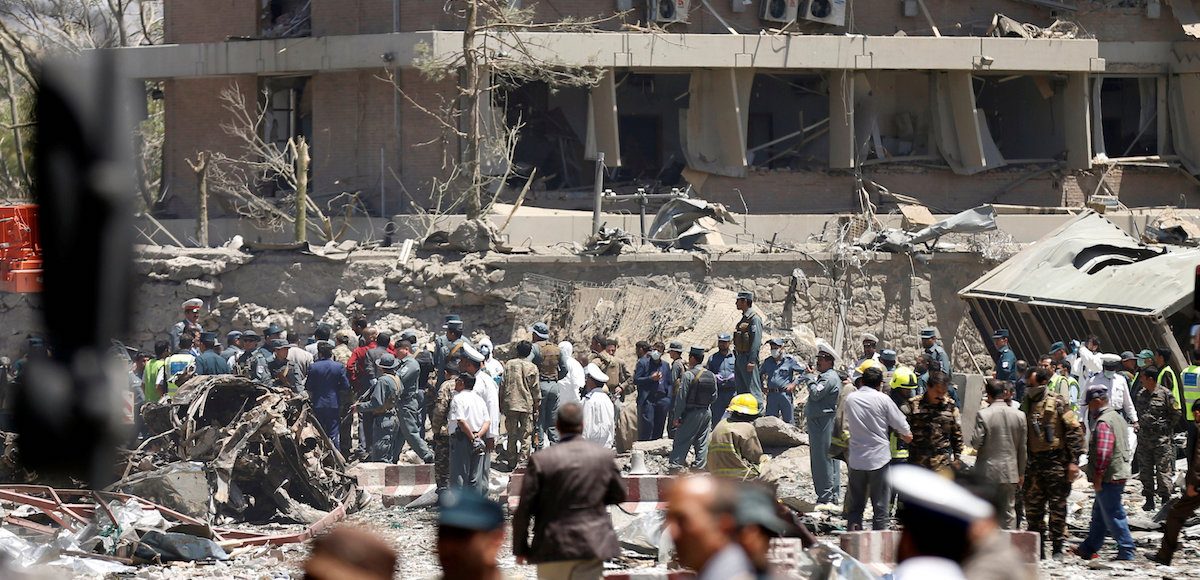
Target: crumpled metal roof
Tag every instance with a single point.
(1089, 262)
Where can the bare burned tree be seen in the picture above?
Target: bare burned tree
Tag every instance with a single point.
(496, 54)
(32, 30)
(238, 180)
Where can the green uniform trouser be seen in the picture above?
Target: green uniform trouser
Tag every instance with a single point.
(441, 460)
(693, 433)
(1156, 458)
(517, 423)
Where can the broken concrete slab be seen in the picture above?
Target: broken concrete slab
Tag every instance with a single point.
(182, 486)
(773, 432)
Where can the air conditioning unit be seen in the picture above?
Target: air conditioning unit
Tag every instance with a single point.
(779, 10)
(831, 12)
(667, 11)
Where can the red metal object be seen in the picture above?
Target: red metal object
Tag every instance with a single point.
(20, 249)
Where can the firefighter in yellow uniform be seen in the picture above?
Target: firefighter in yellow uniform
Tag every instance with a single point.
(903, 388)
(734, 450)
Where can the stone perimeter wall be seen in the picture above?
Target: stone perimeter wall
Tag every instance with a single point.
(890, 295)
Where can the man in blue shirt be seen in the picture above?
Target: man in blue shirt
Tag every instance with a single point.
(721, 363)
(1006, 362)
(779, 376)
(326, 378)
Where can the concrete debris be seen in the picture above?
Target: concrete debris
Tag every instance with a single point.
(644, 535)
(976, 220)
(607, 242)
(1003, 26)
(264, 453)
(478, 235)
(685, 223)
(1169, 228)
(773, 432)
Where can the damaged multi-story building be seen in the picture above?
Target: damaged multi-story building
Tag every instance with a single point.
(773, 106)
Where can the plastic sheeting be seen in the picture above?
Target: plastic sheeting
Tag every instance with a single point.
(1089, 262)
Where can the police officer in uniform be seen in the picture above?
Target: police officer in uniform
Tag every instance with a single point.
(721, 364)
(693, 412)
(747, 342)
(1006, 362)
(252, 364)
(937, 440)
(380, 409)
(190, 322)
(819, 414)
(933, 348)
(408, 405)
(1055, 442)
(779, 375)
(551, 369)
(448, 344)
(208, 362)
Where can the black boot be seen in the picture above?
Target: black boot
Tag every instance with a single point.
(1041, 549)
(1149, 505)
(1056, 551)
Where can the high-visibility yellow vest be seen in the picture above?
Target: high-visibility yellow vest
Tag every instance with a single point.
(899, 450)
(1189, 389)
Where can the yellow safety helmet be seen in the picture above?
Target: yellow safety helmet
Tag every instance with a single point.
(904, 378)
(868, 364)
(745, 404)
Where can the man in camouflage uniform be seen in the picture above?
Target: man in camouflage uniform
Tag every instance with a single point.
(1157, 416)
(438, 419)
(520, 398)
(1055, 443)
(551, 369)
(937, 440)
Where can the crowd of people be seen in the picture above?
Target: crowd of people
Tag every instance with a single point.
(561, 413)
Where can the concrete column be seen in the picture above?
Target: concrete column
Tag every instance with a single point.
(1076, 118)
(841, 119)
(966, 124)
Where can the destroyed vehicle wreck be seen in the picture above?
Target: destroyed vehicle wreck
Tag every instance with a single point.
(1089, 277)
(262, 454)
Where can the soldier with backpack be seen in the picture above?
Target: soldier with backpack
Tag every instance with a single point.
(693, 412)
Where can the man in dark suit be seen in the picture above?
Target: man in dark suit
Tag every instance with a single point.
(565, 491)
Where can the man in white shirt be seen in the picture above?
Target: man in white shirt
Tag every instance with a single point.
(868, 415)
(599, 415)
(1119, 397)
(1087, 363)
(570, 387)
(468, 422)
(489, 391)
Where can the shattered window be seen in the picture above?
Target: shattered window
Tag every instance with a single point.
(286, 18)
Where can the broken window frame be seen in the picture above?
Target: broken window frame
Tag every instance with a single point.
(295, 87)
(1159, 119)
(285, 18)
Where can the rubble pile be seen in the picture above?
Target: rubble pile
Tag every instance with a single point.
(258, 450)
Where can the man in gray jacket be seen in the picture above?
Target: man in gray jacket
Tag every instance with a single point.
(1000, 431)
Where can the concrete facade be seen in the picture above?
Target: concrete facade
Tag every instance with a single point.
(367, 138)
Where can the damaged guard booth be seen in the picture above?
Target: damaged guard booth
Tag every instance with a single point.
(1088, 277)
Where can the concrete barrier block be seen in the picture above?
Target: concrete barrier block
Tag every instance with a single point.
(644, 493)
(396, 485)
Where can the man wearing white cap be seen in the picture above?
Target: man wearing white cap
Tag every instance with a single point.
(599, 416)
(489, 391)
(935, 518)
(870, 345)
(190, 322)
